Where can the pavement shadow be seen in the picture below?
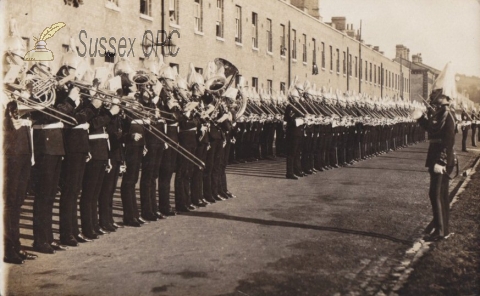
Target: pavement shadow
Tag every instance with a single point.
(297, 225)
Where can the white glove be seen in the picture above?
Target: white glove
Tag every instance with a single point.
(123, 168)
(439, 169)
(137, 137)
(75, 95)
(166, 146)
(299, 121)
(89, 156)
(145, 151)
(109, 166)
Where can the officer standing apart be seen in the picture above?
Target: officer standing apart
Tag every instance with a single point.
(440, 124)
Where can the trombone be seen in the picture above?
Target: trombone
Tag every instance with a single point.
(39, 107)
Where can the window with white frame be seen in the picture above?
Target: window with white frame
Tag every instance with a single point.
(338, 60)
(238, 24)
(294, 44)
(198, 15)
(283, 48)
(146, 7)
(331, 58)
(269, 35)
(173, 12)
(219, 27)
(255, 83)
(304, 47)
(254, 30)
(344, 66)
(269, 86)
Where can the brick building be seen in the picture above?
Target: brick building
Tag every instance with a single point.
(270, 41)
(422, 76)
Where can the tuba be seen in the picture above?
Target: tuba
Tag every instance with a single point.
(217, 85)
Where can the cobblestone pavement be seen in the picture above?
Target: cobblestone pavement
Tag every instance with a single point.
(340, 232)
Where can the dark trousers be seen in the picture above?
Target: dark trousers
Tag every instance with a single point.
(184, 173)
(133, 159)
(196, 187)
(148, 181)
(294, 144)
(73, 170)
(167, 168)
(474, 135)
(464, 138)
(223, 186)
(92, 185)
(105, 205)
(49, 167)
(211, 172)
(17, 171)
(440, 201)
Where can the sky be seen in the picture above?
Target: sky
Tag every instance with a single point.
(441, 30)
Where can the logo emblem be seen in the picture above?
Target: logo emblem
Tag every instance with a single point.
(41, 52)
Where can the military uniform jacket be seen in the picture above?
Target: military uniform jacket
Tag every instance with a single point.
(465, 118)
(290, 115)
(47, 141)
(99, 147)
(116, 138)
(441, 133)
(16, 142)
(76, 139)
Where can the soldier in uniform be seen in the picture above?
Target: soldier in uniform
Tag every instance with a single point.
(294, 135)
(474, 127)
(465, 127)
(440, 124)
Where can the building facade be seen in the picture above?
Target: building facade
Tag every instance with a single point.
(270, 41)
(422, 75)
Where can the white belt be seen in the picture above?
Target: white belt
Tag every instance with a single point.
(173, 124)
(83, 126)
(141, 121)
(48, 126)
(26, 122)
(187, 130)
(98, 136)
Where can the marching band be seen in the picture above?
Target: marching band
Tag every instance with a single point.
(78, 130)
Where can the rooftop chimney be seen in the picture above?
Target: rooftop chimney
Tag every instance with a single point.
(340, 22)
(417, 58)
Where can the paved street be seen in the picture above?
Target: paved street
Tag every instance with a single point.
(333, 232)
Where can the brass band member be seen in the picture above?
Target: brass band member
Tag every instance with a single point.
(168, 103)
(294, 135)
(188, 123)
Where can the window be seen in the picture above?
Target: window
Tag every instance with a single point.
(255, 83)
(269, 35)
(238, 24)
(344, 65)
(370, 72)
(356, 68)
(314, 53)
(378, 77)
(375, 74)
(366, 71)
(350, 65)
(173, 11)
(175, 66)
(331, 58)
(323, 55)
(294, 45)
(220, 18)
(254, 30)
(146, 7)
(338, 60)
(283, 48)
(282, 87)
(198, 15)
(199, 70)
(304, 53)
(270, 86)
(109, 57)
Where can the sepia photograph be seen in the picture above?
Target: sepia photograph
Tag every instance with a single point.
(240, 147)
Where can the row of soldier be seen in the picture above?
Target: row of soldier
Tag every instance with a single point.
(88, 128)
